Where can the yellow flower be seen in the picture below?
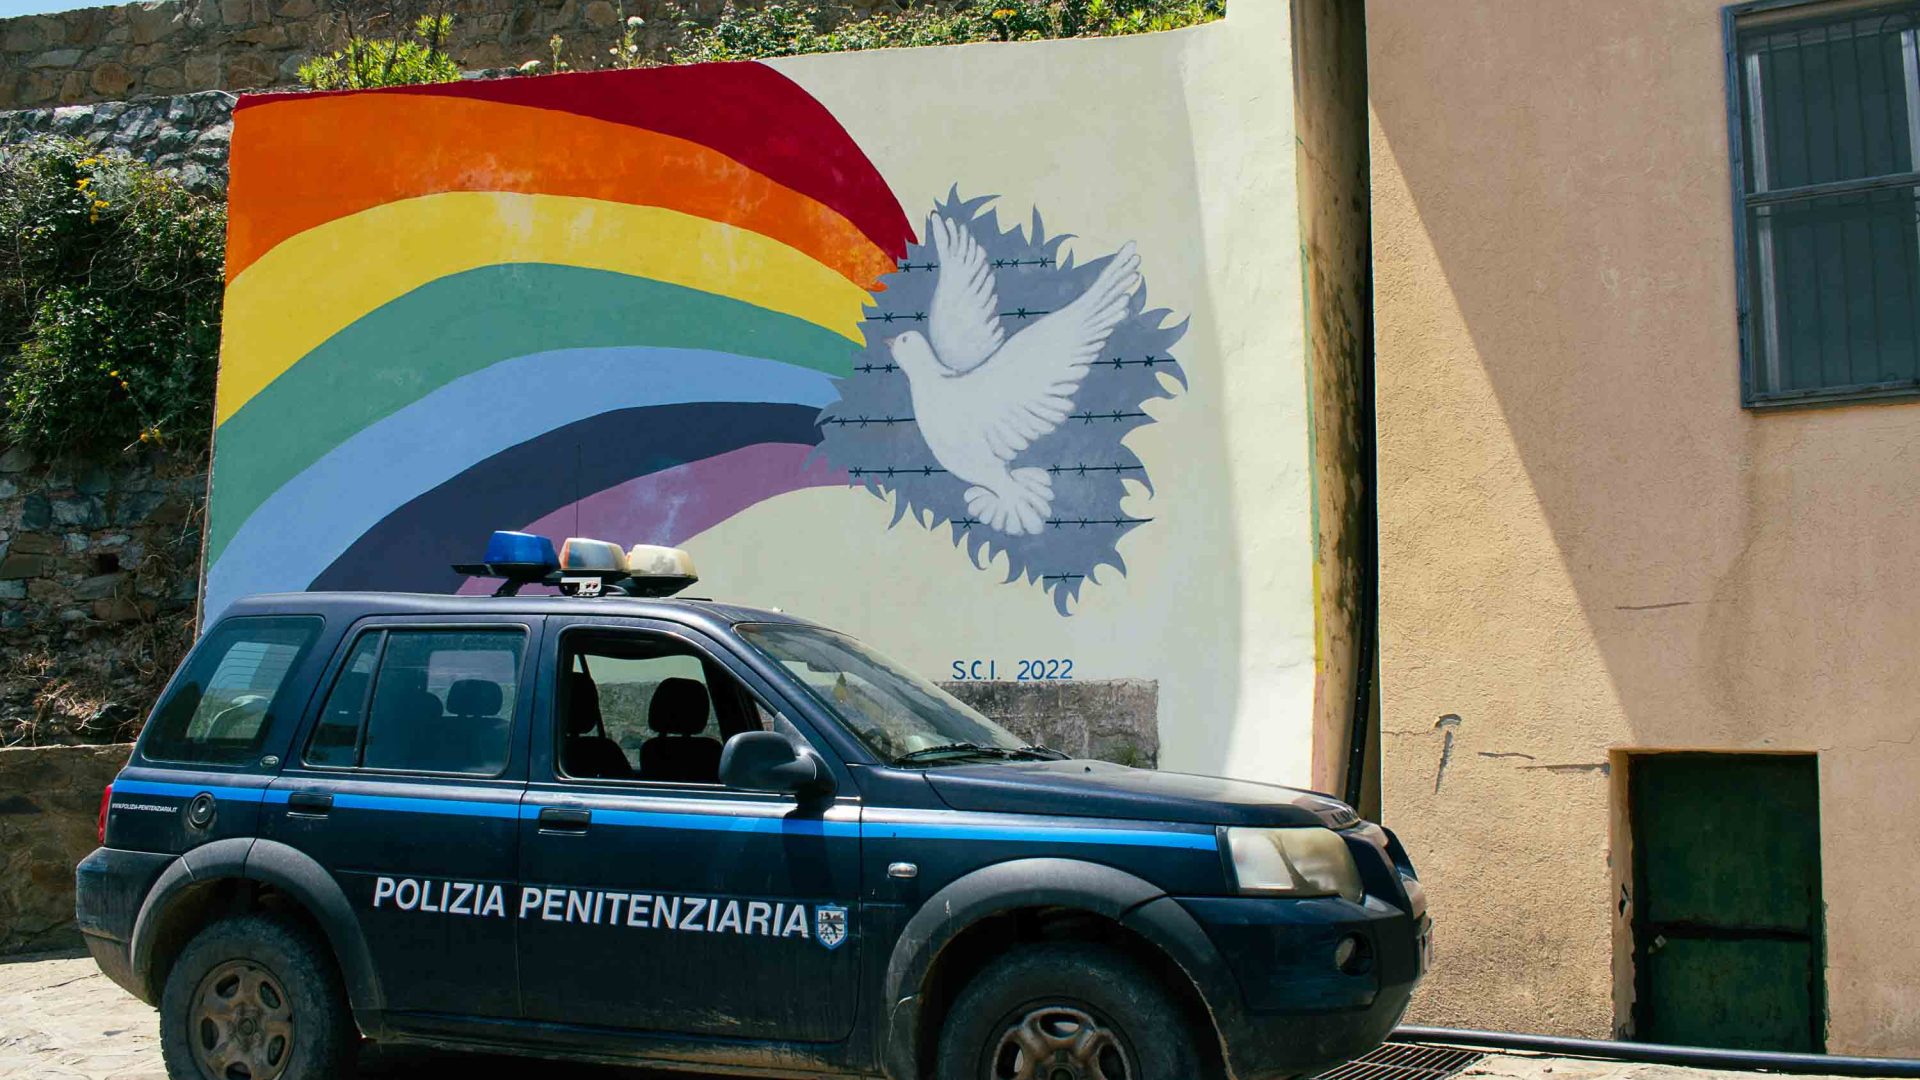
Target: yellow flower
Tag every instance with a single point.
(113, 374)
(1003, 13)
(83, 182)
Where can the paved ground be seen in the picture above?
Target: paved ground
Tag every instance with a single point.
(1535, 1067)
(60, 1019)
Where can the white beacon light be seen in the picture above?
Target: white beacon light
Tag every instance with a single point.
(652, 560)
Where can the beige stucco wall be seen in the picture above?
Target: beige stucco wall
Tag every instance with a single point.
(1587, 545)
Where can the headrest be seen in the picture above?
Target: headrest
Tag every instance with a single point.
(583, 703)
(679, 707)
(475, 697)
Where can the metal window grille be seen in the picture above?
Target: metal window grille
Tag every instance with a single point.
(1825, 116)
(1405, 1061)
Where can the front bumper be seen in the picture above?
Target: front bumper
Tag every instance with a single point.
(1297, 1010)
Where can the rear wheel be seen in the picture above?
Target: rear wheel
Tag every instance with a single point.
(255, 997)
(1067, 1012)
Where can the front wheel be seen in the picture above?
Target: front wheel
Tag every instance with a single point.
(255, 997)
(1067, 1012)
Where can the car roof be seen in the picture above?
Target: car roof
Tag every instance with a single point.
(358, 605)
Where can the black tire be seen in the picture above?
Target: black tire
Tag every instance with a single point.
(256, 997)
(1046, 996)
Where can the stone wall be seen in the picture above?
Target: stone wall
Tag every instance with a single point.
(186, 134)
(49, 809)
(146, 49)
(1107, 719)
(98, 577)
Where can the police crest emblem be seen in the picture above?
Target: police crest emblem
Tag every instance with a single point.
(830, 925)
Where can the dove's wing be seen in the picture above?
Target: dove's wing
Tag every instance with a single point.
(964, 323)
(1027, 388)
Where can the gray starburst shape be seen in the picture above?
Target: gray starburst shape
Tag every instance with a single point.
(871, 430)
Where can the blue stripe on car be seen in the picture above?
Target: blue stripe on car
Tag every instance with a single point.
(1198, 841)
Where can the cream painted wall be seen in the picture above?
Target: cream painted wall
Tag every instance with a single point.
(1587, 545)
(1183, 143)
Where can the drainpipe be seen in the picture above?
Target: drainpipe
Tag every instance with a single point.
(1699, 1057)
(1367, 603)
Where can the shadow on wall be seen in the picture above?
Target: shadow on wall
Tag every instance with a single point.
(1731, 566)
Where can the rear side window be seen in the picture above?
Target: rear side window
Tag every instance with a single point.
(336, 739)
(438, 701)
(225, 702)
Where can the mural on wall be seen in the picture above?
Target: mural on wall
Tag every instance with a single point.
(996, 387)
(636, 304)
(1010, 382)
(607, 303)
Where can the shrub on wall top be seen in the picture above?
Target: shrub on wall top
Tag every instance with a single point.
(789, 29)
(368, 62)
(110, 284)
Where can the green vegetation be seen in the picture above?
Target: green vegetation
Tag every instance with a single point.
(369, 62)
(110, 284)
(790, 29)
(782, 28)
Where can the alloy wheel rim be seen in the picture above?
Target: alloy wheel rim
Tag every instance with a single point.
(241, 1023)
(1060, 1042)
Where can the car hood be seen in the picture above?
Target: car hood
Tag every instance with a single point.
(1098, 789)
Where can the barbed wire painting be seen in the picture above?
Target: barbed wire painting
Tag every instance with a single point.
(996, 390)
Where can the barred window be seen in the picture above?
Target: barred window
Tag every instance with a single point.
(1827, 107)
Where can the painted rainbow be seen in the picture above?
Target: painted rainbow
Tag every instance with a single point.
(609, 303)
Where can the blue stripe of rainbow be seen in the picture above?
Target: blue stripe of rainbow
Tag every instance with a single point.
(286, 544)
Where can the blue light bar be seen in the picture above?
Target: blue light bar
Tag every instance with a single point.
(523, 551)
(582, 567)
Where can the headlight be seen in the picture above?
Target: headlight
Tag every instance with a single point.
(1293, 862)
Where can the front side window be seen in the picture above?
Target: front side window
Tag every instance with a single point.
(1827, 101)
(648, 707)
(224, 704)
(435, 701)
(900, 716)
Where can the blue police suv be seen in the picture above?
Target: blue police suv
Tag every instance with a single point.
(609, 825)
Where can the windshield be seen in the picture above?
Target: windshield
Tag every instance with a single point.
(900, 716)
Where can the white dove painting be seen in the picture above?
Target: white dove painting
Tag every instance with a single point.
(997, 387)
(981, 397)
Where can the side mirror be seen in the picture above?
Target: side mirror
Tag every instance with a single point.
(766, 761)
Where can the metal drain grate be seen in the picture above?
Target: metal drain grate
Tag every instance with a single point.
(1405, 1061)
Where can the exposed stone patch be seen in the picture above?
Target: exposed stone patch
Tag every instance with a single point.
(1107, 719)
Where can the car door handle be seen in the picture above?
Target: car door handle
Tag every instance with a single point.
(309, 802)
(561, 819)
